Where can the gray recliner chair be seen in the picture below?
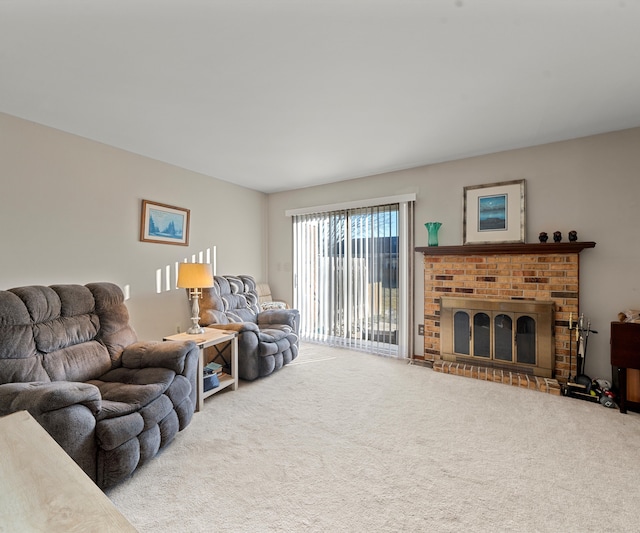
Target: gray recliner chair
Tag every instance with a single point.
(267, 340)
(69, 356)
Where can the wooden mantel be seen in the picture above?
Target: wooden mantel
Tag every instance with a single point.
(507, 248)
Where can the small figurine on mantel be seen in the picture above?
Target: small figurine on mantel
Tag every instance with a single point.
(573, 236)
(543, 236)
(557, 236)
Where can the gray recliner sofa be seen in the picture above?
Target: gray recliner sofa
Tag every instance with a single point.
(69, 356)
(267, 340)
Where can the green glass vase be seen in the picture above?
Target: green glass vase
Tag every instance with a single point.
(432, 228)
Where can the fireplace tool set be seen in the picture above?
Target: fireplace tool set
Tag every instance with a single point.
(582, 386)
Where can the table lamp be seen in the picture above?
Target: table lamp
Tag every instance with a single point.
(195, 277)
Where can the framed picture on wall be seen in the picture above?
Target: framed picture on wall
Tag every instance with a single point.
(494, 212)
(164, 224)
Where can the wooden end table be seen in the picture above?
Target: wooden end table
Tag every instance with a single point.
(212, 337)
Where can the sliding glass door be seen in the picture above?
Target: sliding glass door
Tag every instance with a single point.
(350, 266)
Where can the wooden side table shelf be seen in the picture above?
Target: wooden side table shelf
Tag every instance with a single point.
(212, 337)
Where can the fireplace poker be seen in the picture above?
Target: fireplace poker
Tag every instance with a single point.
(580, 346)
(569, 379)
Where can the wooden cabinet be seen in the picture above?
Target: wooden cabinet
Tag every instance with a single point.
(625, 354)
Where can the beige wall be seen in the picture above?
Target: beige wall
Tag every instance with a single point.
(591, 185)
(70, 213)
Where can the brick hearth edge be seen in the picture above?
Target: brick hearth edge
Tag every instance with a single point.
(548, 385)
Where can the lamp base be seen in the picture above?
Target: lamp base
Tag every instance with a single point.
(195, 329)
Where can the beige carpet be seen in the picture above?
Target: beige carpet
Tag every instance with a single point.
(344, 441)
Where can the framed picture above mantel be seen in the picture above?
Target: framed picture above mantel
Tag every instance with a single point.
(494, 213)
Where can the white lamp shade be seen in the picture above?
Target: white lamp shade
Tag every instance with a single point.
(195, 275)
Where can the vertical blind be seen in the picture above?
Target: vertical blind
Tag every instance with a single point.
(349, 266)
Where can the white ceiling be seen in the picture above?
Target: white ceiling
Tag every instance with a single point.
(281, 94)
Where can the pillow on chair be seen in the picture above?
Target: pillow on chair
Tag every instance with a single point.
(265, 299)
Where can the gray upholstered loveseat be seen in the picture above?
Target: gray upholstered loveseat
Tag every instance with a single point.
(267, 340)
(69, 356)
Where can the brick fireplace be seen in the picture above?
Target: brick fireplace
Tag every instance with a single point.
(546, 272)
